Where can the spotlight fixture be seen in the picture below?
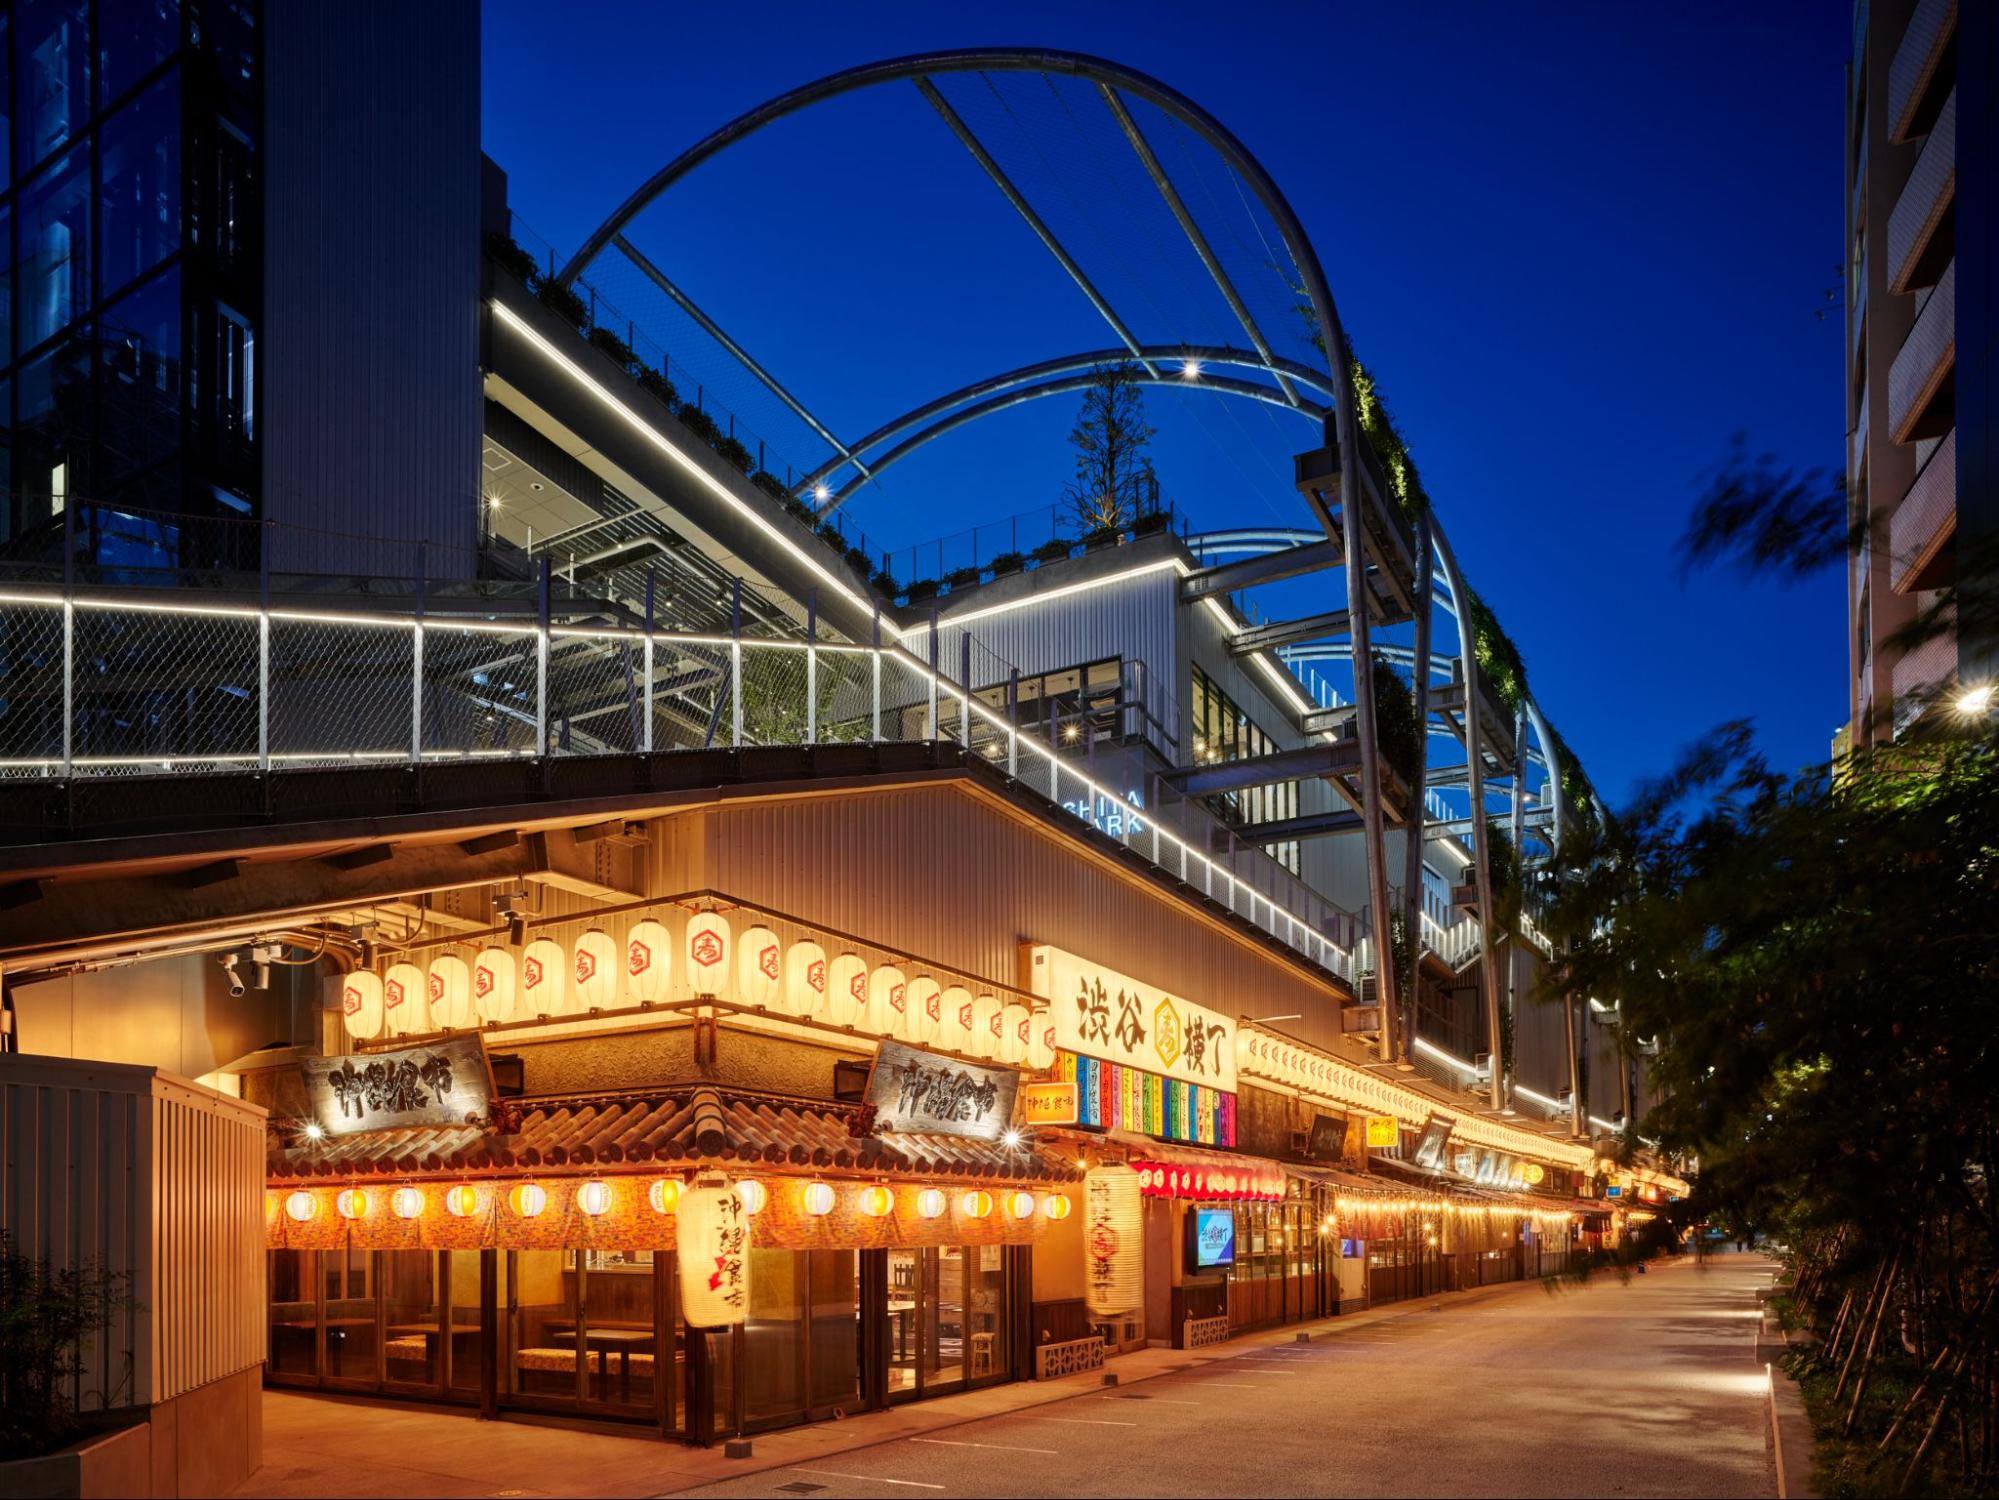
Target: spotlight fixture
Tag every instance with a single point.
(510, 906)
(821, 493)
(229, 969)
(1973, 701)
(1190, 369)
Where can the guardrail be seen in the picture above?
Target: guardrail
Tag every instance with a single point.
(102, 684)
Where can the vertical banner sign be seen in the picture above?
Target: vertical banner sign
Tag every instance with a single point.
(714, 1236)
(1113, 1246)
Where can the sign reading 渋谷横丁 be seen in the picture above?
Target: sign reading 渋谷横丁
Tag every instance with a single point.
(444, 1084)
(1103, 1014)
(911, 1089)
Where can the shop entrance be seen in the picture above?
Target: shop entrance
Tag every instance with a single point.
(947, 1323)
(593, 1331)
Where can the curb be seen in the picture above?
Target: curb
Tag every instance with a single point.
(1787, 1416)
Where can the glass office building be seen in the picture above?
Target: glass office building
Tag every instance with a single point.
(131, 229)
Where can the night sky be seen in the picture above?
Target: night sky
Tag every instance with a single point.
(1579, 247)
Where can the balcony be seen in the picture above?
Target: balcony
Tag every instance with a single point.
(1925, 521)
(1932, 662)
(1916, 64)
(1920, 392)
(1916, 253)
(1856, 445)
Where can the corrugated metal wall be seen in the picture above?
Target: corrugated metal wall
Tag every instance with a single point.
(152, 1176)
(371, 382)
(945, 874)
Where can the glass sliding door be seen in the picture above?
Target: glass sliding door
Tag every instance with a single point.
(834, 1338)
(353, 1321)
(414, 1342)
(538, 1337)
(985, 1313)
(947, 1312)
(294, 1316)
(941, 1320)
(773, 1340)
(621, 1362)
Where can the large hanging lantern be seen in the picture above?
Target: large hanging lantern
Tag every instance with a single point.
(528, 1200)
(494, 983)
(361, 1004)
(818, 1199)
(1041, 1041)
(664, 1195)
(594, 1198)
(805, 979)
(846, 990)
(302, 1207)
(405, 1000)
(922, 1011)
(985, 1026)
(875, 1201)
(544, 979)
(931, 1203)
(461, 1202)
(954, 1019)
(1114, 1249)
(595, 970)
(713, 1240)
(888, 989)
(449, 985)
(759, 968)
(1015, 1022)
(648, 961)
(353, 1203)
(754, 1195)
(406, 1203)
(708, 945)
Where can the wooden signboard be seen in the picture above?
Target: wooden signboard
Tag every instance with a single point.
(447, 1083)
(912, 1089)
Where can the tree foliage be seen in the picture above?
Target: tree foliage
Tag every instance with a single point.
(1114, 481)
(47, 1316)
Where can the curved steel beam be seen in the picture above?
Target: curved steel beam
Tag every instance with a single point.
(1068, 364)
(1221, 385)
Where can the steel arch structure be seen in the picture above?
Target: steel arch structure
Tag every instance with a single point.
(1338, 420)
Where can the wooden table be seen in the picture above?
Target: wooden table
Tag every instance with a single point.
(900, 1311)
(606, 1341)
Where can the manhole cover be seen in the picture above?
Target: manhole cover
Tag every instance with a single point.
(800, 1487)
(1133, 1398)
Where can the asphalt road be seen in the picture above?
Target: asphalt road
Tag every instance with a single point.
(1646, 1388)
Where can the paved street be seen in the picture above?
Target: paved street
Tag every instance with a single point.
(1645, 1389)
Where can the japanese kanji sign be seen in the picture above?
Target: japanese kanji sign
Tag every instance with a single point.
(444, 1084)
(714, 1248)
(1103, 1014)
(916, 1090)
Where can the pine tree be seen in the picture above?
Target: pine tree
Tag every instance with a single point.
(1114, 480)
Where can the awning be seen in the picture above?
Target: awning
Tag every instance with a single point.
(692, 1127)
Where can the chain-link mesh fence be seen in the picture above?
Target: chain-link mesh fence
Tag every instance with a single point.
(479, 688)
(31, 688)
(152, 686)
(340, 691)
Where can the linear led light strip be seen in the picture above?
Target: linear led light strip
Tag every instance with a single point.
(721, 491)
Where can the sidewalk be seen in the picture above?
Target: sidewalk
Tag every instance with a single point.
(318, 1445)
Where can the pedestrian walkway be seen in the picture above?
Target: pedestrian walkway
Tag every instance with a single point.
(319, 1445)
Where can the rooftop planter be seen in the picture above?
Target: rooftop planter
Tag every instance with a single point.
(1102, 536)
(963, 578)
(1053, 551)
(1007, 562)
(1150, 524)
(922, 589)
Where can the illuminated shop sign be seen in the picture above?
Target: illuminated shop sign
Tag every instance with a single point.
(1118, 817)
(1383, 1133)
(1048, 1103)
(1432, 1144)
(1110, 1097)
(1109, 1016)
(1249, 1181)
(912, 1089)
(443, 1084)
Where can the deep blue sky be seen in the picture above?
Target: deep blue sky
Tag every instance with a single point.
(1579, 246)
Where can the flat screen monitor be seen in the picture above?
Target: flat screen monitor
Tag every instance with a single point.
(1211, 1238)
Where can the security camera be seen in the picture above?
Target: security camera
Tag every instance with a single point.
(262, 956)
(235, 979)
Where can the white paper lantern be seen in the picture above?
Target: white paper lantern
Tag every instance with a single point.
(1015, 1022)
(595, 970)
(1041, 1041)
(985, 1026)
(405, 1003)
(544, 979)
(713, 1238)
(819, 1199)
(759, 967)
(407, 1203)
(922, 1011)
(954, 1020)
(361, 1004)
(707, 949)
(594, 1198)
(648, 961)
(1113, 1229)
(931, 1203)
(846, 990)
(494, 983)
(450, 987)
(887, 990)
(805, 979)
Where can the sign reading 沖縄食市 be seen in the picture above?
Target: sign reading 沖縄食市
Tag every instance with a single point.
(444, 1084)
(911, 1089)
(1110, 1016)
(1048, 1103)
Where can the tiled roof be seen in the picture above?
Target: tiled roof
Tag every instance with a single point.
(692, 1126)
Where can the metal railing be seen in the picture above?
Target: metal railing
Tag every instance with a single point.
(95, 683)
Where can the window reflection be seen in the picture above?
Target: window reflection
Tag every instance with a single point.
(139, 216)
(53, 223)
(51, 76)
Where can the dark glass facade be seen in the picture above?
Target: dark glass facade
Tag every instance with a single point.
(131, 247)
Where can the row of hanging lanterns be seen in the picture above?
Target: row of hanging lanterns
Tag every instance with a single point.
(757, 968)
(527, 1200)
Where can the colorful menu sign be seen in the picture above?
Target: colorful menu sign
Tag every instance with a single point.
(1109, 1097)
(1102, 1014)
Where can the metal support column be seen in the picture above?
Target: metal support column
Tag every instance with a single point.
(541, 662)
(263, 661)
(812, 667)
(736, 665)
(1515, 831)
(1412, 828)
(416, 665)
(933, 730)
(875, 723)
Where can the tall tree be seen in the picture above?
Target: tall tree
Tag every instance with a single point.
(1114, 480)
